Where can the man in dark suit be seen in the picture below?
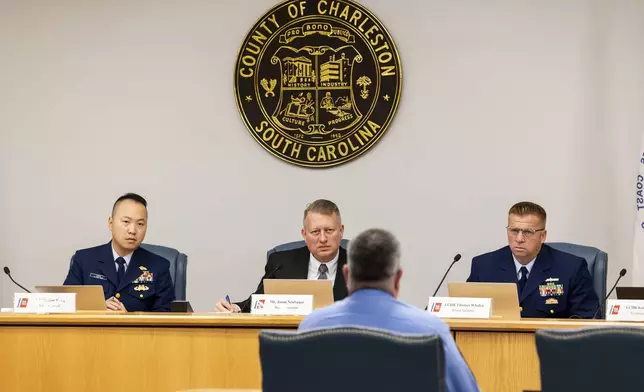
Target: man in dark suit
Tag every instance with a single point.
(550, 283)
(321, 258)
(133, 278)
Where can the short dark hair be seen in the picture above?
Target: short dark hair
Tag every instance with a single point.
(130, 196)
(528, 208)
(324, 207)
(374, 255)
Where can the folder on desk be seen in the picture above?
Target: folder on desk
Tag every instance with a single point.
(321, 290)
(88, 297)
(505, 299)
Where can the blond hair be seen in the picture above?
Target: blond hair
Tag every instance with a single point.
(322, 206)
(528, 208)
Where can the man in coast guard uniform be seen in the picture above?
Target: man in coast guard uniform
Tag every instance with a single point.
(550, 283)
(133, 278)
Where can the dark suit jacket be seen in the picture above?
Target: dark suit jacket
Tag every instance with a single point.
(294, 264)
(571, 272)
(95, 266)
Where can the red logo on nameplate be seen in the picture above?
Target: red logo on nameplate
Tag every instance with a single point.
(614, 310)
(436, 307)
(260, 304)
(23, 302)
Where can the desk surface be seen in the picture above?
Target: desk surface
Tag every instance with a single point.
(226, 390)
(247, 320)
(167, 352)
(152, 320)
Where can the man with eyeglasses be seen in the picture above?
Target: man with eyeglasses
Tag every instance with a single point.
(550, 283)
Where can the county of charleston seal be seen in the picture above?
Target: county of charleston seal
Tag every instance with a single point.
(317, 82)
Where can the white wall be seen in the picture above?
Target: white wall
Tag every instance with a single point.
(502, 101)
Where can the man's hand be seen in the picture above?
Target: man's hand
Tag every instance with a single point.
(115, 305)
(224, 306)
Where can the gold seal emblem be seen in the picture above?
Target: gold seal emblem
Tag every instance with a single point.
(317, 82)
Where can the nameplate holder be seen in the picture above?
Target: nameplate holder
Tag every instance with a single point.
(181, 307)
(624, 310)
(281, 304)
(457, 307)
(40, 303)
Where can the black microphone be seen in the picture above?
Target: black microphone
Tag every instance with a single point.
(456, 258)
(8, 272)
(261, 286)
(603, 304)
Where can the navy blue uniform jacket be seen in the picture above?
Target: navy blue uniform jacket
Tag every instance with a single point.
(559, 284)
(146, 286)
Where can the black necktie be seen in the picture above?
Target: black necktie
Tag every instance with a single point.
(524, 278)
(323, 270)
(120, 272)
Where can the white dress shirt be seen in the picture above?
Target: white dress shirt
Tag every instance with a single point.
(314, 268)
(127, 259)
(518, 266)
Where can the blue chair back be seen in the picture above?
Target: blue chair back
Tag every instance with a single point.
(591, 359)
(178, 267)
(298, 244)
(597, 265)
(349, 359)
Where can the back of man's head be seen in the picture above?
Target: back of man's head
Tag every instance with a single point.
(374, 259)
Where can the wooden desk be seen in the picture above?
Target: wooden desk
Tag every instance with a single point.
(503, 354)
(172, 352)
(221, 390)
(130, 352)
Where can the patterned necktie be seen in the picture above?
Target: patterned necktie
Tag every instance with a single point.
(323, 272)
(120, 273)
(524, 278)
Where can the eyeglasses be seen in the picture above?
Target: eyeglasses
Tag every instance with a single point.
(527, 233)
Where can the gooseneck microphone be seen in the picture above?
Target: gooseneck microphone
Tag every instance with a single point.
(8, 272)
(456, 258)
(603, 303)
(261, 286)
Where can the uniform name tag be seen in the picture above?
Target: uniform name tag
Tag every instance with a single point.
(281, 304)
(624, 310)
(44, 303)
(457, 307)
(97, 276)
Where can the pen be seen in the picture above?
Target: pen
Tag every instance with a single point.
(228, 299)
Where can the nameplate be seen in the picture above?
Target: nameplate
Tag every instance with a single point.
(454, 307)
(44, 303)
(281, 305)
(624, 310)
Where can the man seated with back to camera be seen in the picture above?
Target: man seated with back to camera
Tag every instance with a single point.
(373, 273)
